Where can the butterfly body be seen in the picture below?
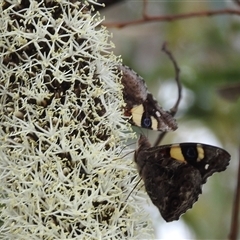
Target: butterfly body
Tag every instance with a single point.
(173, 174)
(141, 107)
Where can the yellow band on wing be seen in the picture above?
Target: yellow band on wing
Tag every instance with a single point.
(176, 153)
(137, 113)
(200, 152)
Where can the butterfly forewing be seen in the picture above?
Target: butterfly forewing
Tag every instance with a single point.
(174, 174)
(141, 107)
(206, 158)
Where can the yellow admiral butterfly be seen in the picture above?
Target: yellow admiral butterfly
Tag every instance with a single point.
(141, 107)
(174, 174)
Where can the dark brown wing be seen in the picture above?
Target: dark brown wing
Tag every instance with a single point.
(141, 107)
(206, 158)
(135, 89)
(173, 174)
(173, 186)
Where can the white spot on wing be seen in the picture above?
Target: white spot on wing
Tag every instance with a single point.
(158, 114)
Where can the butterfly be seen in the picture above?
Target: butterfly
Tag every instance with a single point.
(141, 107)
(173, 174)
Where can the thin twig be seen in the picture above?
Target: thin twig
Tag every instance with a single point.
(174, 109)
(235, 213)
(168, 18)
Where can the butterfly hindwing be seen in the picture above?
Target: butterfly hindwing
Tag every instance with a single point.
(141, 107)
(173, 174)
(174, 188)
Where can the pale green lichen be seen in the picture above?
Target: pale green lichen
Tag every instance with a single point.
(62, 127)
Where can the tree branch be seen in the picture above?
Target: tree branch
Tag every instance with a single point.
(169, 18)
(174, 109)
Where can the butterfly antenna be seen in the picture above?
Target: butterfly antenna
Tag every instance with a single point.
(174, 109)
(133, 188)
(126, 154)
(126, 147)
(123, 155)
(132, 151)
